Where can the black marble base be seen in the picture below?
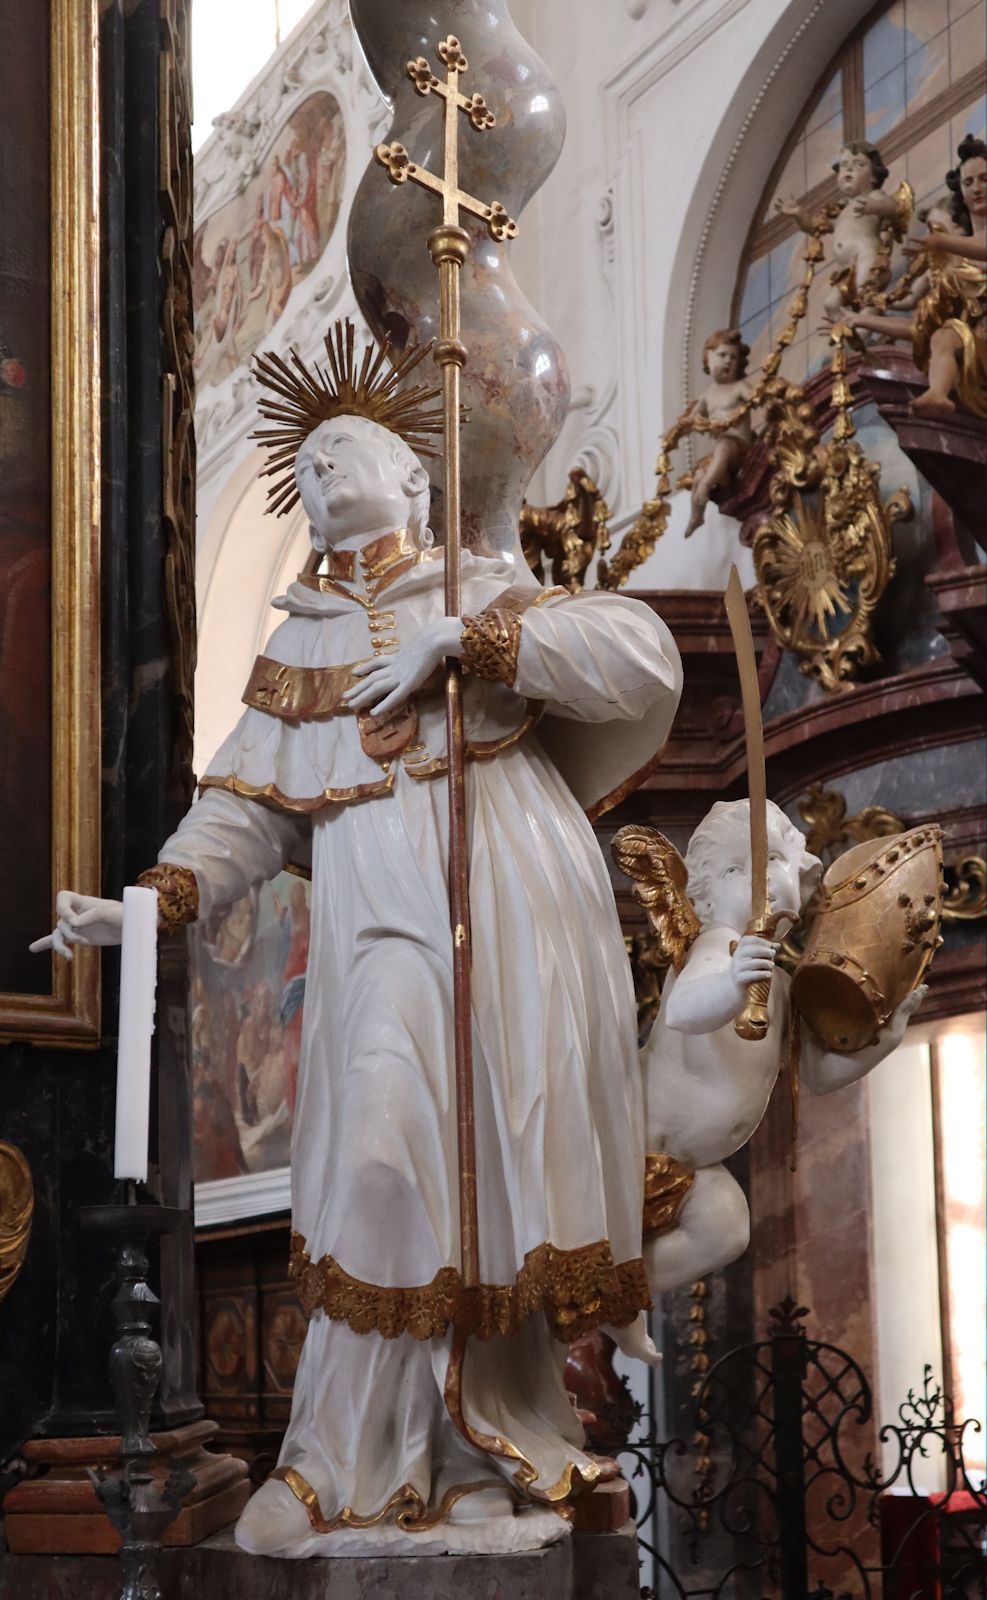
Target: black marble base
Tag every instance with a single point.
(587, 1566)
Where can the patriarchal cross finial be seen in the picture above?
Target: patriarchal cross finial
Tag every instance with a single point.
(395, 158)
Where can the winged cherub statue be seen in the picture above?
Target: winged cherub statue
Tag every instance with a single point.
(335, 762)
(705, 1088)
(864, 222)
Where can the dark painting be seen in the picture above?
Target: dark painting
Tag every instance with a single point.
(25, 494)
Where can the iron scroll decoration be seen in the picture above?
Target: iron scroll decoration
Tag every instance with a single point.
(781, 1415)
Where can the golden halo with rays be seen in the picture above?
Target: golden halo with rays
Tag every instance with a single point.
(308, 397)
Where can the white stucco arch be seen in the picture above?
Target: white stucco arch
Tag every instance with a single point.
(245, 558)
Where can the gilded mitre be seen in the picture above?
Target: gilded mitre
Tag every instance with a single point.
(875, 930)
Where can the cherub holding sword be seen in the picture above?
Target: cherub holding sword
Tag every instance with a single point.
(723, 1031)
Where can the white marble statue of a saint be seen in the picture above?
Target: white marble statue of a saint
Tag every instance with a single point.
(338, 762)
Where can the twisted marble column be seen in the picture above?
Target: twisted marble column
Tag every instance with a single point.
(515, 381)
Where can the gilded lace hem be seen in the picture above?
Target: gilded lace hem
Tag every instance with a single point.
(578, 1290)
(491, 642)
(178, 894)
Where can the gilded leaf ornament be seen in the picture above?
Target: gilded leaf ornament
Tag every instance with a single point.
(16, 1214)
(660, 878)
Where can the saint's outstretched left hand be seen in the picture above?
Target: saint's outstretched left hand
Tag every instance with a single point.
(390, 680)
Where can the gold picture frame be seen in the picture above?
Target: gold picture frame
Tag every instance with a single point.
(70, 1013)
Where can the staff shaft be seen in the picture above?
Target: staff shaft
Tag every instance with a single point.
(449, 245)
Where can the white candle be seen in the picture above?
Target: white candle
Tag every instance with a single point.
(138, 977)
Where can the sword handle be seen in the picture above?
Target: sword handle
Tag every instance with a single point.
(752, 1023)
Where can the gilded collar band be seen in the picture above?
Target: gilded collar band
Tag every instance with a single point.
(379, 562)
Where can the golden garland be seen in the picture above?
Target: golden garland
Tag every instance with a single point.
(640, 540)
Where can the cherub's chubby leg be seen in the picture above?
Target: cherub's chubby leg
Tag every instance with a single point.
(714, 475)
(944, 371)
(714, 1228)
(834, 304)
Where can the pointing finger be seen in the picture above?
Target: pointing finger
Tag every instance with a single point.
(47, 943)
(58, 944)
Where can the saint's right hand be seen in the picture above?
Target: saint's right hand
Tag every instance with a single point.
(82, 919)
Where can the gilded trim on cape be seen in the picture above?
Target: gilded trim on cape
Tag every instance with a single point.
(427, 767)
(628, 786)
(410, 1512)
(578, 1290)
(667, 1182)
(177, 889)
(269, 794)
(573, 1479)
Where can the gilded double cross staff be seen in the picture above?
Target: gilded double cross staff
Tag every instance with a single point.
(449, 246)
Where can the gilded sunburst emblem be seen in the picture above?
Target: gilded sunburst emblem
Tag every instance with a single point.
(823, 564)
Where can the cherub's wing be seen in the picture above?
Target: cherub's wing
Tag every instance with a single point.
(660, 879)
(904, 205)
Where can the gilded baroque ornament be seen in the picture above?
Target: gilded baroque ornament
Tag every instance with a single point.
(567, 535)
(822, 565)
(16, 1214)
(831, 831)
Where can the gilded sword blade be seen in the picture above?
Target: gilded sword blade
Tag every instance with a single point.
(753, 1020)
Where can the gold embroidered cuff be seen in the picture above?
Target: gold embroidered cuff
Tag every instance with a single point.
(178, 894)
(490, 645)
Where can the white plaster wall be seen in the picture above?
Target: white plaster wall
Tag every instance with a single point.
(906, 1261)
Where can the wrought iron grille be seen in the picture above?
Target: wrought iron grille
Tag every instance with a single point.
(809, 1513)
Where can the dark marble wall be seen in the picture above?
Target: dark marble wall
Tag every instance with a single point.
(58, 1105)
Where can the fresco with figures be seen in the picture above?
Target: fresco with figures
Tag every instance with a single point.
(252, 252)
(247, 1001)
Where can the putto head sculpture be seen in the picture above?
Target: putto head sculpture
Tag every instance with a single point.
(852, 176)
(726, 339)
(309, 397)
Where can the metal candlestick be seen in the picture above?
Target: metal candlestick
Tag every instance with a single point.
(139, 1507)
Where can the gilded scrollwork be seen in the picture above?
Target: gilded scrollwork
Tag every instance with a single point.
(569, 534)
(16, 1214)
(823, 563)
(965, 897)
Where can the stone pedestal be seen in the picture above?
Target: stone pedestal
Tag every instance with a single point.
(60, 1512)
(582, 1567)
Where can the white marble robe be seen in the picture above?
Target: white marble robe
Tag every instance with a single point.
(557, 1076)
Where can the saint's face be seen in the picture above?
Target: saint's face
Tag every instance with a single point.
(855, 175)
(349, 483)
(973, 186)
(723, 362)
